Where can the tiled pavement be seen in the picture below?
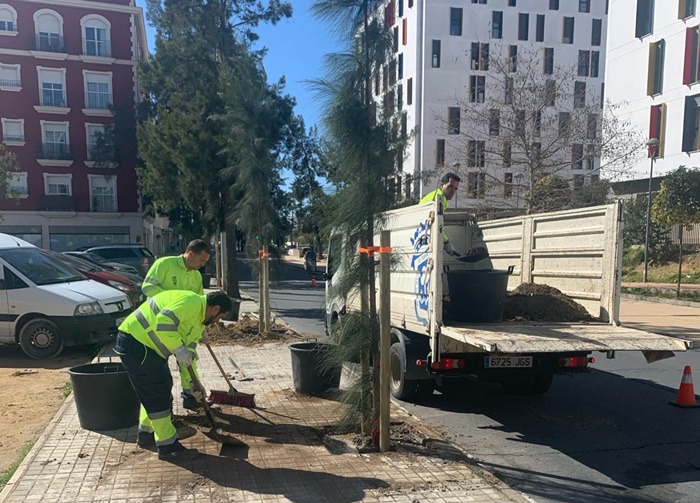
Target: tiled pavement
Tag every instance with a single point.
(284, 459)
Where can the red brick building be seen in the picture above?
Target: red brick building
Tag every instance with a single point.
(68, 88)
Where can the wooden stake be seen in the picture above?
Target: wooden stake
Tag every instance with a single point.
(385, 341)
(364, 358)
(266, 262)
(261, 294)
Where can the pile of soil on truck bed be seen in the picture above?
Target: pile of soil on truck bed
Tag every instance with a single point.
(533, 302)
(245, 332)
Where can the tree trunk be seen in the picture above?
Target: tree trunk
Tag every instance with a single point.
(680, 259)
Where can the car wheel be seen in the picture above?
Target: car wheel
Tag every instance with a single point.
(401, 388)
(39, 339)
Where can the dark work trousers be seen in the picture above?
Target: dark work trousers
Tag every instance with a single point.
(148, 372)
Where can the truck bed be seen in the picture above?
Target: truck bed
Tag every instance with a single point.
(534, 337)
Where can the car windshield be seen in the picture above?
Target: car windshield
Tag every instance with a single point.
(93, 257)
(40, 267)
(78, 263)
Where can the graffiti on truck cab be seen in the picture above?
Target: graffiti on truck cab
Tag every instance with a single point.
(419, 263)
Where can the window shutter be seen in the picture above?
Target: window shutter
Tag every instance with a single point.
(653, 126)
(662, 129)
(404, 22)
(651, 70)
(689, 54)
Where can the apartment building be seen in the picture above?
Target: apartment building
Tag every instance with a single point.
(442, 50)
(654, 65)
(68, 91)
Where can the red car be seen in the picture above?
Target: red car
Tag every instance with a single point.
(131, 288)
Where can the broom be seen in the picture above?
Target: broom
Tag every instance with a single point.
(232, 396)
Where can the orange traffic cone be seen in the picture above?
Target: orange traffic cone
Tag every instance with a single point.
(313, 281)
(686, 391)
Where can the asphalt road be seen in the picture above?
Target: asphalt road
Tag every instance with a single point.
(604, 437)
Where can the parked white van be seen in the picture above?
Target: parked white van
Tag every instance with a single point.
(46, 305)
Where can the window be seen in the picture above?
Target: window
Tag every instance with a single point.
(553, 4)
(686, 9)
(513, 58)
(602, 95)
(395, 42)
(399, 97)
(509, 91)
(476, 185)
(494, 122)
(440, 153)
(453, 120)
(98, 90)
(507, 185)
(584, 5)
(98, 146)
(549, 60)
(579, 94)
(8, 19)
(377, 84)
(539, 28)
(691, 68)
(404, 31)
(577, 156)
(103, 193)
(592, 127)
(584, 62)
(13, 131)
(507, 154)
(455, 22)
(436, 54)
(568, 31)
(511, 3)
(655, 75)
(520, 122)
(400, 8)
(482, 2)
(18, 183)
(400, 66)
(657, 128)
(55, 141)
(645, 18)
(476, 153)
(409, 92)
(480, 56)
(596, 32)
(691, 124)
(48, 27)
(595, 63)
(564, 124)
(96, 36)
(52, 83)
(58, 185)
(537, 122)
(392, 72)
(590, 156)
(497, 24)
(410, 3)
(477, 88)
(550, 92)
(523, 26)
(10, 78)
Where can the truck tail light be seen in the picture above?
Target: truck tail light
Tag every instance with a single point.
(576, 361)
(448, 364)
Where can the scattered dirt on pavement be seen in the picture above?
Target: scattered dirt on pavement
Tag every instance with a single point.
(402, 436)
(533, 302)
(31, 392)
(245, 332)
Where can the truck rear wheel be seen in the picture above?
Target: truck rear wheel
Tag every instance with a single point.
(401, 388)
(528, 384)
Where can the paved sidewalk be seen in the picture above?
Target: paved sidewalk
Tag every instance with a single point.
(285, 459)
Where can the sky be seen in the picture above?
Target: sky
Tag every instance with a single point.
(296, 49)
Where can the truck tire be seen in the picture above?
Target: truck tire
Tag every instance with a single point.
(39, 338)
(528, 385)
(401, 388)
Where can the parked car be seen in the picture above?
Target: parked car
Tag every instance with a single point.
(136, 256)
(110, 278)
(102, 262)
(50, 305)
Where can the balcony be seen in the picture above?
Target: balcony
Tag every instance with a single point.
(54, 154)
(103, 203)
(10, 85)
(97, 48)
(101, 156)
(98, 104)
(52, 102)
(13, 139)
(57, 203)
(50, 42)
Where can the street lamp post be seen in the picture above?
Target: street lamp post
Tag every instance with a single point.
(653, 145)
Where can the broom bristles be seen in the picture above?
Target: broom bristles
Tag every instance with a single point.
(232, 398)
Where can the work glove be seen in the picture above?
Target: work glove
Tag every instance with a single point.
(196, 392)
(184, 356)
(475, 254)
(451, 249)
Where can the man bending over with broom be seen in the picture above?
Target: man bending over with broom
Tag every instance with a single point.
(169, 323)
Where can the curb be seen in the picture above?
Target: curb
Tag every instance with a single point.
(661, 300)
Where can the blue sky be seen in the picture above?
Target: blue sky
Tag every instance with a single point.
(296, 48)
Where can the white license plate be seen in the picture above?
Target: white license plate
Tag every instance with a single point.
(120, 321)
(507, 362)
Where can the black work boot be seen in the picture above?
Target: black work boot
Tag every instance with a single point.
(189, 402)
(146, 439)
(176, 451)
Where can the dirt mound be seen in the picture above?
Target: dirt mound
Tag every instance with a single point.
(533, 302)
(245, 332)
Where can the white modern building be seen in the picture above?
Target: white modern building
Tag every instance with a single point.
(654, 65)
(439, 51)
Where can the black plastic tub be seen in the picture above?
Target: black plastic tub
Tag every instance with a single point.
(310, 371)
(477, 296)
(104, 397)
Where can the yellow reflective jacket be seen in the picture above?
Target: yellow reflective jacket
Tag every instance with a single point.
(170, 273)
(430, 196)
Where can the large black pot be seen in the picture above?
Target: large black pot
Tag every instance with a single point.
(310, 369)
(477, 296)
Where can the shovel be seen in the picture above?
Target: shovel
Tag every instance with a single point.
(216, 433)
(474, 255)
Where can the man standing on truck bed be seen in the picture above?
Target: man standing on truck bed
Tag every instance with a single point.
(180, 273)
(449, 184)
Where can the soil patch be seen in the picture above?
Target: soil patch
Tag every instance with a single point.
(402, 436)
(246, 333)
(533, 302)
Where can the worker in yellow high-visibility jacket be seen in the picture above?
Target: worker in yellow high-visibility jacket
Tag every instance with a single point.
(180, 273)
(170, 323)
(449, 184)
